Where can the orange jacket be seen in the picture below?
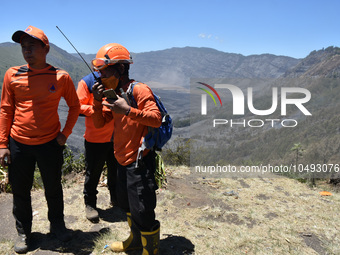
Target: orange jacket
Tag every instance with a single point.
(130, 130)
(92, 134)
(29, 104)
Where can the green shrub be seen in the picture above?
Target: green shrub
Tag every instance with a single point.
(178, 153)
(4, 183)
(71, 163)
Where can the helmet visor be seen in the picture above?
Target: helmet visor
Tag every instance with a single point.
(101, 63)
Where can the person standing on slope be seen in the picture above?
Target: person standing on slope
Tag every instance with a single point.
(30, 132)
(98, 150)
(136, 182)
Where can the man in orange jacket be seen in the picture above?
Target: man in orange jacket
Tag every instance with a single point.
(136, 183)
(30, 132)
(98, 150)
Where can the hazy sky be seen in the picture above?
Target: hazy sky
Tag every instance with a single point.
(281, 27)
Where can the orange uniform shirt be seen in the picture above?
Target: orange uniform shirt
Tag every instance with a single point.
(92, 134)
(130, 130)
(29, 104)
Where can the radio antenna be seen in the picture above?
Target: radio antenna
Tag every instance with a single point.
(96, 78)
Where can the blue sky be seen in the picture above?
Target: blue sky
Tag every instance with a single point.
(281, 27)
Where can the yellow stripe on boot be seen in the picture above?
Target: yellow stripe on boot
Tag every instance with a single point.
(150, 241)
(132, 243)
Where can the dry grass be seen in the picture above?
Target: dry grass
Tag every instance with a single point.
(202, 216)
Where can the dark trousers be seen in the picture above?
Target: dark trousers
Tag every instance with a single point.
(49, 158)
(96, 154)
(136, 189)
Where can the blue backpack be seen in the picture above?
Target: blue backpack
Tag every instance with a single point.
(156, 138)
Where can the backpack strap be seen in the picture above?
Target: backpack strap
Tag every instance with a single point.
(134, 104)
(132, 100)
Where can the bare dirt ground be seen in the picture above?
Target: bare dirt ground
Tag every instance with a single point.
(198, 215)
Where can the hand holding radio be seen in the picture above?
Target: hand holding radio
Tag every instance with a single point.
(119, 105)
(97, 91)
(110, 95)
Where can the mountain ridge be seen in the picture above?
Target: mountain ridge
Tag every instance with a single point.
(173, 68)
(324, 62)
(176, 65)
(318, 134)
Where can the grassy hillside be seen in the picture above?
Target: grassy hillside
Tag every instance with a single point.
(10, 55)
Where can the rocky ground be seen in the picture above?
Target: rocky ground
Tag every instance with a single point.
(198, 215)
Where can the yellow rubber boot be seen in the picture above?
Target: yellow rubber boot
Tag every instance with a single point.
(150, 241)
(132, 243)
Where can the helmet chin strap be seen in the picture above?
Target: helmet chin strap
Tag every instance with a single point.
(121, 78)
(119, 83)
